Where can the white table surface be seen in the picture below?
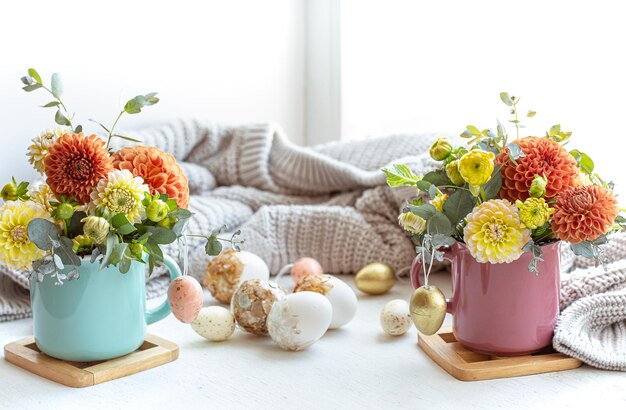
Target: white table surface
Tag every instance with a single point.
(357, 366)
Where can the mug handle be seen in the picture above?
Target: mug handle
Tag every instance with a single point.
(161, 311)
(417, 270)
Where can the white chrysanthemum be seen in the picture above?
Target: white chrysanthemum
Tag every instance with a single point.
(120, 192)
(38, 150)
(16, 250)
(42, 195)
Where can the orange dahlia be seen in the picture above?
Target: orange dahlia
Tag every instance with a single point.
(544, 157)
(584, 213)
(74, 165)
(158, 169)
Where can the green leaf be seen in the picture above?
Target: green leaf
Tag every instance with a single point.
(515, 151)
(150, 99)
(51, 104)
(439, 240)
(119, 220)
(473, 130)
(492, 187)
(432, 192)
(400, 175)
(554, 130)
(43, 233)
(500, 130)
(423, 185)
(458, 205)
(531, 113)
(126, 229)
(35, 75)
(56, 85)
(111, 241)
(424, 211)
(75, 226)
(172, 205)
(79, 128)
(584, 161)
(135, 105)
(438, 177)
(213, 246)
(27, 80)
(100, 124)
(506, 98)
(180, 226)
(439, 224)
(125, 262)
(126, 138)
(159, 235)
(31, 87)
(65, 252)
(584, 249)
(118, 253)
(61, 119)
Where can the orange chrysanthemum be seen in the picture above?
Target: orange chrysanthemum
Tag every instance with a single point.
(158, 169)
(584, 213)
(544, 157)
(74, 165)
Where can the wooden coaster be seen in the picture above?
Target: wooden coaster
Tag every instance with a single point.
(154, 352)
(467, 365)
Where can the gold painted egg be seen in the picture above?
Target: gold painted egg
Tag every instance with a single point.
(375, 278)
(252, 302)
(428, 309)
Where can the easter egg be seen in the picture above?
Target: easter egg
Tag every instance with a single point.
(375, 278)
(184, 296)
(252, 302)
(395, 318)
(227, 270)
(305, 266)
(214, 323)
(339, 294)
(298, 320)
(428, 309)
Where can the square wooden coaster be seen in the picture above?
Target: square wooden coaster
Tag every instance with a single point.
(467, 365)
(154, 352)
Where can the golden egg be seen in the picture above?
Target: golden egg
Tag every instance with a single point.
(428, 309)
(375, 278)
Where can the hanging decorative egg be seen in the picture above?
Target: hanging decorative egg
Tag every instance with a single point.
(395, 318)
(252, 302)
(214, 323)
(428, 309)
(339, 294)
(375, 278)
(305, 266)
(227, 270)
(298, 320)
(184, 296)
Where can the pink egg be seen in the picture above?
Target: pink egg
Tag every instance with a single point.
(185, 298)
(305, 266)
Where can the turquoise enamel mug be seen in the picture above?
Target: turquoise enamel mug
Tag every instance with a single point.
(99, 316)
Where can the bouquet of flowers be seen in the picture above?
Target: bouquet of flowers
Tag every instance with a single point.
(504, 198)
(117, 206)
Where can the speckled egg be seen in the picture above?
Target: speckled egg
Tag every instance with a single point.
(395, 318)
(252, 302)
(341, 296)
(305, 266)
(226, 271)
(214, 323)
(298, 320)
(184, 296)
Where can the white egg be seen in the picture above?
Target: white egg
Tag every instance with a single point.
(344, 302)
(298, 320)
(254, 267)
(395, 318)
(214, 323)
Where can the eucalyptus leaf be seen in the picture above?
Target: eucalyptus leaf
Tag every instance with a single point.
(492, 187)
(57, 261)
(439, 240)
(44, 266)
(61, 119)
(117, 254)
(515, 151)
(432, 192)
(100, 124)
(66, 253)
(27, 80)
(110, 243)
(31, 87)
(213, 246)
(51, 104)
(473, 130)
(126, 229)
(439, 224)
(438, 177)
(584, 161)
(159, 235)
(35, 75)
(79, 128)
(94, 255)
(423, 185)
(458, 205)
(531, 113)
(125, 262)
(119, 220)
(423, 211)
(126, 138)
(180, 226)
(43, 233)
(501, 130)
(56, 85)
(506, 98)
(585, 249)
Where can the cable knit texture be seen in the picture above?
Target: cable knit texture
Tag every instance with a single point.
(330, 202)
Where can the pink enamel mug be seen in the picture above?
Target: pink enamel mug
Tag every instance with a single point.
(502, 309)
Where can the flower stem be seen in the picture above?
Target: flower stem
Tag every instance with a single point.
(113, 127)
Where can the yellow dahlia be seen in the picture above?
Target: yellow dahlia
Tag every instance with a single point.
(494, 233)
(534, 212)
(158, 169)
(16, 251)
(120, 193)
(74, 165)
(42, 195)
(476, 167)
(439, 200)
(412, 223)
(38, 150)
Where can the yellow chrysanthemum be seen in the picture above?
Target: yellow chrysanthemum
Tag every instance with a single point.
(16, 251)
(42, 195)
(412, 223)
(476, 167)
(534, 212)
(120, 192)
(439, 200)
(494, 233)
(38, 150)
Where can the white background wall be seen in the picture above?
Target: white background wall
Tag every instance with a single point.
(229, 61)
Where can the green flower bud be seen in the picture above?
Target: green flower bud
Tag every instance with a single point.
(136, 249)
(65, 211)
(412, 223)
(440, 149)
(157, 210)
(166, 223)
(96, 228)
(9, 192)
(452, 171)
(81, 242)
(538, 187)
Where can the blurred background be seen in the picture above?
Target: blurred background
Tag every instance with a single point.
(325, 69)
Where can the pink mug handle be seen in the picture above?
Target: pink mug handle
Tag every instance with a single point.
(417, 271)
